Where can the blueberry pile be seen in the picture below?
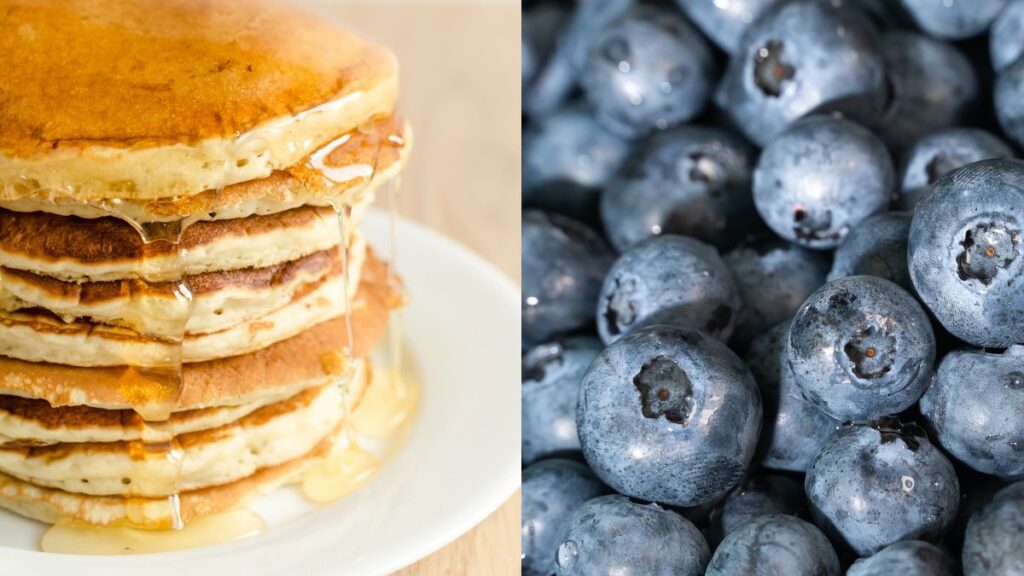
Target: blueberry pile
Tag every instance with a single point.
(773, 287)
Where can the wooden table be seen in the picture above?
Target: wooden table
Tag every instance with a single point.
(460, 91)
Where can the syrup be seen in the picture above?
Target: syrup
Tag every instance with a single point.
(388, 404)
(153, 392)
(67, 538)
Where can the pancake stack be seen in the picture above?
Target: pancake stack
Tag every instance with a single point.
(186, 303)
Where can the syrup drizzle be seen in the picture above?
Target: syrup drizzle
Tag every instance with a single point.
(385, 405)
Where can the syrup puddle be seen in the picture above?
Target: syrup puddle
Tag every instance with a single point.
(66, 538)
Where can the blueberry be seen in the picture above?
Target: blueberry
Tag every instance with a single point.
(801, 57)
(667, 280)
(975, 408)
(860, 348)
(551, 490)
(556, 80)
(541, 26)
(877, 247)
(647, 70)
(563, 265)
(723, 22)
(775, 544)
(551, 381)
(931, 82)
(687, 180)
(937, 154)
(759, 496)
(794, 429)
(907, 558)
(873, 485)
(965, 252)
(1006, 39)
(1009, 101)
(953, 19)
(616, 536)
(821, 178)
(992, 544)
(773, 279)
(669, 415)
(567, 157)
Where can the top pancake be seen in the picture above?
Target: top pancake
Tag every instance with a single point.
(142, 100)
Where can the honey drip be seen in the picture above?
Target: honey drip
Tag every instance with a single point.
(66, 538)
(389, 401)
(153, 391)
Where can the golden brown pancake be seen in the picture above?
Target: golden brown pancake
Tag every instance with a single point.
(220, 300)
(51, 505)
(267, 437)
(381, 147)
(299, 362)
(105, 249)
(140, 99)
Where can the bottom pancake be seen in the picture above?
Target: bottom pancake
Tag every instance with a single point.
(51, 505)
(267, 437)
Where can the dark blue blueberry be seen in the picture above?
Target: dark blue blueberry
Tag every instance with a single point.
(965, 252)
(975, 409)
(1009, 101)
(992, 543)
(876, 247)
(551, 490)
(820, 179)
(953, 19)
(773, 279)
(860, 348)
(794, 429)
(907, 558)
(616, 536)
(542, 24)
(935, 155)
(724, 22)
(667, 280)
(775, 545)
(759, 496)
(931, 86)
(551, 382)
(801, 57)
(567, 157)
(648, 70)
(669, 415)
(558, 76)
(873, 485)
(1006, 39)
(563, 265)
(688, 180)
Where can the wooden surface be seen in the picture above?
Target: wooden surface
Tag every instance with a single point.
(460, 90)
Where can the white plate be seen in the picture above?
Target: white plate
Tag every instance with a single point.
(460, 462)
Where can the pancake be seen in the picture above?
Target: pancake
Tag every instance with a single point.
(28, 422)
(267, 437)
(106, 249)
(282, 190)
(299, 362)
(39, 335)
(51, 505)
(142, 100)
(220, 300)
